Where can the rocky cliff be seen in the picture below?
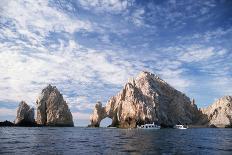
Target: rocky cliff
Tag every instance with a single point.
(218, 114)
(52, 109)
(25, 115)
(146, 99)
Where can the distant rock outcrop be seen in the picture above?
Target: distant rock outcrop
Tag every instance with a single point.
(7, 123)
(146, 99)
(25, 115)
(52, 110)
(219, 114)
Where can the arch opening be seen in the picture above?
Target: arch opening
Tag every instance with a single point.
(106, 122)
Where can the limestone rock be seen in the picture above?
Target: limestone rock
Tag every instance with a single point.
(99, 113)
(52, 109)
(146, 99)
(25, 114)
(219, 114)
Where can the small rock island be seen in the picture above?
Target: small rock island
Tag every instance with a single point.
(25, 115)
(52, 109)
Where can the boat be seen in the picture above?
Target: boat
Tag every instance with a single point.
(180, 127)
(149, 126)
(112, 127)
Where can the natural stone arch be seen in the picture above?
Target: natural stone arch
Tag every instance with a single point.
(101, 113)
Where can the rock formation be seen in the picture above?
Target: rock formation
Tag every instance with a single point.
(146, 99)
(219, 114)
(7, 123)
(99, 113)
(52, 110)
(25, 115)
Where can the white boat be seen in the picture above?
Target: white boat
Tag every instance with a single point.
(180, 127)
(149, 126)
(112, 127)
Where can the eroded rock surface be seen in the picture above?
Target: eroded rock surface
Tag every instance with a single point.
(99, 113)
(25, 115)
(52, 109)
(219, 114)
(146, 99)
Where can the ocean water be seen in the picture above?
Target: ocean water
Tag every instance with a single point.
(77, 140)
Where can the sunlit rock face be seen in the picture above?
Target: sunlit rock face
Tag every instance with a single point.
(219, 114)
(146, 99)
(52, 109)
(99, 114)
(25, 114)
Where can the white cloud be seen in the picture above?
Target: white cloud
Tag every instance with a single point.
(175, 78)
(106, 5)
(208, 36)
(105, 39)
(35, 19)
(137, 17)
(222, 52)
(222, 85)
(197, 53)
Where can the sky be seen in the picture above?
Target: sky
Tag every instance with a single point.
(89, 49)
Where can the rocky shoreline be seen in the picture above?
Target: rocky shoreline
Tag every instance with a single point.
(144, 99)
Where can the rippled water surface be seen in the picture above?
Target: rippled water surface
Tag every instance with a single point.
(114, 141)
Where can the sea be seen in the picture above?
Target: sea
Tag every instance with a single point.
(87, 141)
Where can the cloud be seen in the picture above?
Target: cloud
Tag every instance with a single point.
(7, 112)
(175, 78)
(115, 6)
(80, 116)
(137, 17)
(35, 20)
(219, 34)
(197, 53)
(222, 85)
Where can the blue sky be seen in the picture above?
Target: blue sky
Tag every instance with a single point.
(89, 49)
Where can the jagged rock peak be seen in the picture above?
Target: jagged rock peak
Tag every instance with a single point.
(149, 80)
(52, 109)
(223, 101)
(143, 74)
(25, 114)
(146, 75)
(47, 90)
(219, 114)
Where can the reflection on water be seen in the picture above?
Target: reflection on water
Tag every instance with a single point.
(114, 141)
